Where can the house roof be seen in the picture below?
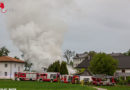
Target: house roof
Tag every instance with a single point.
(116, 54)
(10, 59)
(123, 62)
(80, 55)
(85, 73)
(84, 64)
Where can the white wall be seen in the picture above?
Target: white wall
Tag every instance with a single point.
(77, 61)
(11, 68)
(89, 77)
(120, 71)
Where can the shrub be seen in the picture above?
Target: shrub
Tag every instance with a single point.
(122, 81)
(116, 80)
(128, 79)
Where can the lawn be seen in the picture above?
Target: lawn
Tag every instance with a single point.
(117, 87)
(34, 85)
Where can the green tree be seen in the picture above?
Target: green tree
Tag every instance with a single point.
(50, 68)
(16, 57)
(91, 53)
(4, 51)
(55, 67)
(63, 68)
(103, 64)
(127, 53)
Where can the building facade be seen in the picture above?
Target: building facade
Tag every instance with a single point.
(9, 65)
(123, 64)
(79, 58)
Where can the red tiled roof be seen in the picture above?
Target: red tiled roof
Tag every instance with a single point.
(10, 59)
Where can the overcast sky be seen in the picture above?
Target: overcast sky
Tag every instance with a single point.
(105, 28)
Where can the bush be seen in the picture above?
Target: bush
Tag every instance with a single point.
(81, 70)
(116, 80)
(128, 79)
(122, 81)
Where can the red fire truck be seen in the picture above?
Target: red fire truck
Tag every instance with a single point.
(49, 76)
(75, 79)
(26, 76)
(66, 78)
(103, 80)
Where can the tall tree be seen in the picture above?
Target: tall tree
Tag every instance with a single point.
(55, 67)
(127, 53)
(4, 51)
(68, 54)
(103, 64)
(28, 65)
(91, 53)
(63, 68)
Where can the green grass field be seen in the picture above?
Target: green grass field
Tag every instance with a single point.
(27, 85)
(33, 85)
(117, 87)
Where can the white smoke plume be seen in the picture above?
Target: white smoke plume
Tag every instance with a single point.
(37, 27)
(71, 70)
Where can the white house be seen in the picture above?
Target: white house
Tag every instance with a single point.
(79, 58)
(9, 65)
(123, 65)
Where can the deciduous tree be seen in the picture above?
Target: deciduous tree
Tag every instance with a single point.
(68, 54)
(103, 64)
(4, 51)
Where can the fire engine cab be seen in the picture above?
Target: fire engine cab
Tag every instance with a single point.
(75, 79)
(66, 78)
(103, 80)
(49, 76)
(26, 76)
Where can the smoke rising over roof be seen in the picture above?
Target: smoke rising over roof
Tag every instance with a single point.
(37, 27)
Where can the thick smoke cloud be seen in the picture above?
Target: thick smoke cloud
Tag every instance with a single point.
(37, 28)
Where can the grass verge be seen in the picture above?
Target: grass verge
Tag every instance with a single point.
(34, 85)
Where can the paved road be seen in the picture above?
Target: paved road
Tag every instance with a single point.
(100, 88)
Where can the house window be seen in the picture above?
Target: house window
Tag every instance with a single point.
(6, 65)
(21, 65)
(5, 73)
(123, 70)
(15, 65)
(18, 69)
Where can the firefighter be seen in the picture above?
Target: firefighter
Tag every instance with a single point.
(82, 82)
